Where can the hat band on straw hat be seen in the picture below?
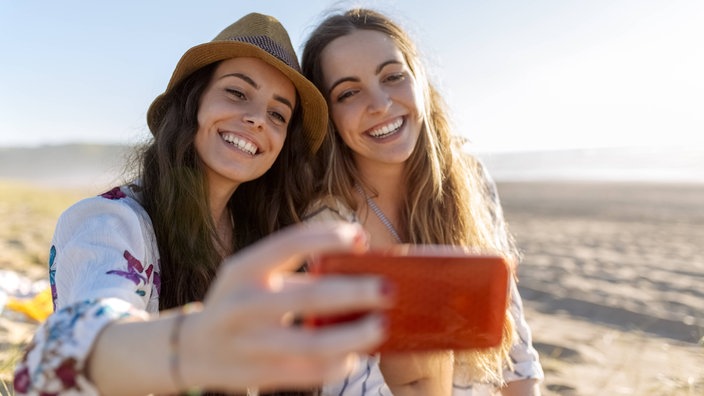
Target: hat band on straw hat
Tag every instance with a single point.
(270, 46)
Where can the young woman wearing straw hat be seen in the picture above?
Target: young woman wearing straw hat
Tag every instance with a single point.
(193, 231)
(391, 163)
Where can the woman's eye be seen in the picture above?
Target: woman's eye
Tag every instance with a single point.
(345, 95)
(278, 117)
(395, 77)
(236, 93)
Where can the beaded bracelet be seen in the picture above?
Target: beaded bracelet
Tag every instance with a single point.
(174, 356)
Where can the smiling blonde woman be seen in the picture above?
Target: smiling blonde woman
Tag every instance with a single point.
(391, 163)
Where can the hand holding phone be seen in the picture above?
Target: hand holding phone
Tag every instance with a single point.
(446, 298)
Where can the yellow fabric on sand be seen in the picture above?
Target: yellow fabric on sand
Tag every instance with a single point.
(38, 307)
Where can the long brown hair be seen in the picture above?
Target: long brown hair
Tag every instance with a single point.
(175, 195)
(450, 199)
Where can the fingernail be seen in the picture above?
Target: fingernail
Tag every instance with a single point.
(385, 322)
(387, 288)
(361, 240)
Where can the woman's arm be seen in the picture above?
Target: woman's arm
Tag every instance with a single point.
(237, 339)
(101, 269)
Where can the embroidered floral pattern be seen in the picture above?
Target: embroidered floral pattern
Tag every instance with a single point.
(157, 280)
(67, 373)
(58, 354)
(52, 275)
(115, 193)
(21, 382)
(91, 289)
(137, 274)
(134, 269)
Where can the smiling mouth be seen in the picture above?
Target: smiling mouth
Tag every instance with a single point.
(386, 130)
(241, 144)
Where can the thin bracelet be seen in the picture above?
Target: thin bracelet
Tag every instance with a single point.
(252, 391)
(174, 357)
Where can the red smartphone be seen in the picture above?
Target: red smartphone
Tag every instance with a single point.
(446, 298)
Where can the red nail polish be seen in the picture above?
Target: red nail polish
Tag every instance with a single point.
(388, 288)
(385, 322)
(361, 243)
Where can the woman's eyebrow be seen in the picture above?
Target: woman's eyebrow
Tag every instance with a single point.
(284, 101)
(384, 64)
(241, 76)
(340, 81)
(378, 70)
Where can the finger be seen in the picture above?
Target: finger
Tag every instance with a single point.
(361, 335)
(331, 294)
(285, 250)
(320, 296)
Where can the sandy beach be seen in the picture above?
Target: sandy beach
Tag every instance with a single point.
(612, 280)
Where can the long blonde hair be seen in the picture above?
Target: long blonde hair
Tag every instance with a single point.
(450, 200)
(449, 197)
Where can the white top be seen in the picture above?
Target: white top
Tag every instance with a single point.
(103, 266)
(368, 379)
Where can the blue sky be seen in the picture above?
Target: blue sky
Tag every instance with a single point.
(517, 74)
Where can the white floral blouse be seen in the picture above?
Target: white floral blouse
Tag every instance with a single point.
(368, 379)
(103, 266)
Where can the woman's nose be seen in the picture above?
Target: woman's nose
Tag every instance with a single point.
(379, 100)
(254, 118)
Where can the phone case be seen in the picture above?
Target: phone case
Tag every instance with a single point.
(444, 299)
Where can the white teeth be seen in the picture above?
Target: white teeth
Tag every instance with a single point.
(240, 143)
(387, 129)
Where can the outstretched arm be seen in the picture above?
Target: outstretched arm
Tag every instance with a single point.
(239, 336)
(237, 339)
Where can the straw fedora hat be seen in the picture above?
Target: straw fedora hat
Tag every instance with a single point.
(258, 36)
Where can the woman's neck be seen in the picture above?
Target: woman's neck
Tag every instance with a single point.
(388, 189)
(388, 182)
(222, 218)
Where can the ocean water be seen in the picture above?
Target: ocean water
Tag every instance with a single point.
(676, 165)
(94, 164)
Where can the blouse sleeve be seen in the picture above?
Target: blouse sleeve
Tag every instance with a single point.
(524, 358)
(103, 267)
